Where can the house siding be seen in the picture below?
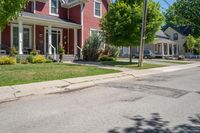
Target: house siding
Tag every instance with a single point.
(90, 21)
(6, 37)
(40, 38)
(42, 8)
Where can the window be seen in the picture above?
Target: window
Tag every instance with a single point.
(98, 8)
(54, 4)
(175, 36)
(26, 37)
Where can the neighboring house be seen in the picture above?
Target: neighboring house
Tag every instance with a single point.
(45, 24)
(179, 36)
(163, 46)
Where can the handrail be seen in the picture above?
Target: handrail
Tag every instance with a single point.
(81, 56)
(79, 48)
(54, 51)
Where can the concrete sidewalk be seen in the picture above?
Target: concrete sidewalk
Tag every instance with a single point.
(9, 93)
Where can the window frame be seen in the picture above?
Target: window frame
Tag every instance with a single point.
(175, 39)
(50, 6)
(100, 2)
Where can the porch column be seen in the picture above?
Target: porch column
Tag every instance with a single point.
(177, 49)
(168, 53)
(172, 49)
(75, 41)
(162, 49)
(49, 39)
(34, 37)
(20, 37)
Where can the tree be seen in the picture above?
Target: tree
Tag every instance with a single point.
(9, 10)
(184, 13)
(197, 45)
(190, 43)
(122, 24)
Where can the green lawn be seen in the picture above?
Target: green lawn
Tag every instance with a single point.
(21, 74)
(133, 65)
(175, 62)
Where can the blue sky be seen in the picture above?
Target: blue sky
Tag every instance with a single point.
(163, 4)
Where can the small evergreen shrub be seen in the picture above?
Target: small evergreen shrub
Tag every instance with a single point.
(106, 58)
(24, 61)
(18, 59)
(30, 58)
(13, 52)
(6, 60)
(33, 52)
(39, 59)
(48, 61)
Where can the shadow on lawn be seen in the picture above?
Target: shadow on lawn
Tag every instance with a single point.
(157, 125)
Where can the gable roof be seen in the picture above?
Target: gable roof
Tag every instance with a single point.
(183, 30)
(161, 34)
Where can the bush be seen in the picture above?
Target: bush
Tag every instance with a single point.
(91, 50)
(48, 61)
(181, 57)
(33, 52)
(13, 52)
(106, 58)
(111, 51)
(6, 60)
(24, 61)
(39, 59)
(18, 59)
(30, 58)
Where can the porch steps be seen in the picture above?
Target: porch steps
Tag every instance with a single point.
(65, 57)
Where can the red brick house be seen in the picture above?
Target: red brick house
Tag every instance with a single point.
(44, 24)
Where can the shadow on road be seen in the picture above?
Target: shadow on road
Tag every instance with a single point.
(157, 125)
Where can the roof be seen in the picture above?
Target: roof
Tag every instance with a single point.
(47, 19)
(161, 37)
(183, 30)
(161, 34)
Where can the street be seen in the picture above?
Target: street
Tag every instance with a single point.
(164, 103)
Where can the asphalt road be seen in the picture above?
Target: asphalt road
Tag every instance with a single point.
(164, 103)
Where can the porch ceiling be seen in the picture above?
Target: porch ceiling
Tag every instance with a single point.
(47, 20)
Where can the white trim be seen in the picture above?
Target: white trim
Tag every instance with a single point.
(53, 14)
(24, 26)
(34, 36)
(34, 6)
(92, 29)
(20, 39)
(82, 24)
(52, 29)
(100, 2)
(75, 41)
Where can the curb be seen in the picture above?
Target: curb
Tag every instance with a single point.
(12, 93)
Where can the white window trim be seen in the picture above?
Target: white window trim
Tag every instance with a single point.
(24, 26)
(100, 2)
(91, 29)
(53, 14)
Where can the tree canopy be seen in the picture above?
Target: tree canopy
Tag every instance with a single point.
(122, 24)
(9, 10)
(184, 13)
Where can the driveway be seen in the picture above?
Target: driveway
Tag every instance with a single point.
(163, 103)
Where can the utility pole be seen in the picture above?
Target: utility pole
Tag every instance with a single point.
(142, 41)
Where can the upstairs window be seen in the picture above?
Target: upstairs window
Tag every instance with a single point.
(97, 8)
(54, 4)
(175, 36)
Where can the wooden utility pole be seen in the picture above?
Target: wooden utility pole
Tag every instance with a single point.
(142, 41)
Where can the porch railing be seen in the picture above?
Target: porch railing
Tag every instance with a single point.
(80, 54)
(54, 51)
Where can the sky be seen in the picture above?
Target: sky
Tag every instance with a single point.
(163, 4)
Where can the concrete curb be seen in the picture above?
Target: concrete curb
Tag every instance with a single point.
(10, 93)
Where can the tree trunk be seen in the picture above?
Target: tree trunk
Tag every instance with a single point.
(130, 55)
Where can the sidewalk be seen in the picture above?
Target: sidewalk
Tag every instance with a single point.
(9, 93)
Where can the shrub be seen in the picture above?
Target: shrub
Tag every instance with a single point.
(13, 52)
(111, 51)
(30, 58)
(33, 52)
(91, 50)
(24, 61)
(106, 58)
(39, 59)
(6, 60)
(18, 59)
(61, 52)
(48, 61)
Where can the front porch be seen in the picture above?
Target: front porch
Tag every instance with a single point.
(45, 34)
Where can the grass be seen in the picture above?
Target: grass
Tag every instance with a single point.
(29, 73)
(133, 65)
(175, 62)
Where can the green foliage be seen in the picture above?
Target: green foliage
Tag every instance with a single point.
(91, 50)
(9, 10)
(13, 52)
(6, 60)
(61, 50)
(184, 13)
(30, 58)
(24, 62)
(18, 59)
(111, 51)
(106, 58)
(39, 59)
(34, 52)
(122, 24)
(49, 61)
(190, 43)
